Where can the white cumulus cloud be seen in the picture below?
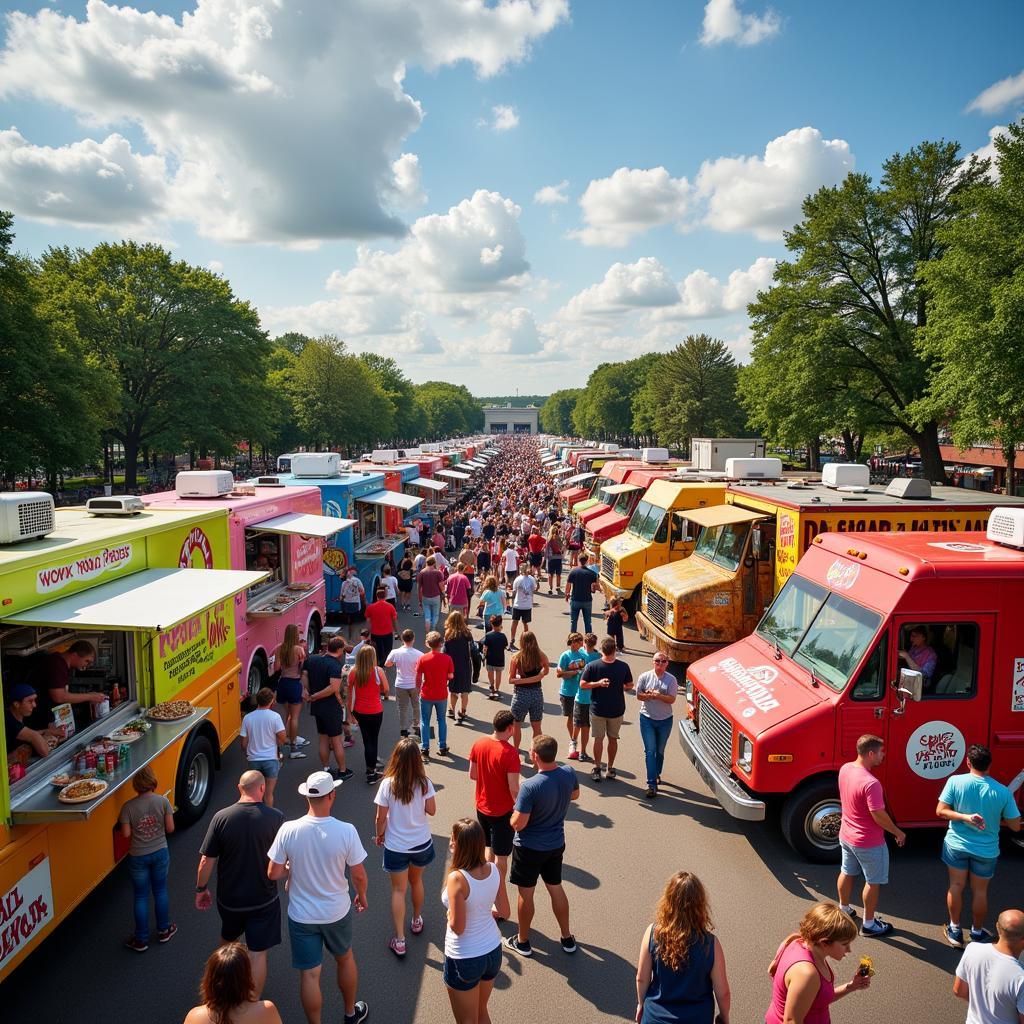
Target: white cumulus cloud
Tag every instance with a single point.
(724, 22)
(1004, 93)
(552, 195)
(704, 296)
(407, 178)
(503, 119)
(645, 283)
(511, 332)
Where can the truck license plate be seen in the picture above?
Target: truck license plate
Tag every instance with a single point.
(705, 775)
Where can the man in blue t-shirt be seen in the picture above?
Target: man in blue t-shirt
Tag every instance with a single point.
(539, 844)
(570, 664)
(975, 805)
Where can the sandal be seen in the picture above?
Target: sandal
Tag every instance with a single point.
(397, 946)
(416, 925)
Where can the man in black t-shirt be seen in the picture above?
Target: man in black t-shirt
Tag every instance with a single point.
(322, 679)
(607, 679)
(580, 585)
(236, 844)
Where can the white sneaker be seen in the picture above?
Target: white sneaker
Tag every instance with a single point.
(572, 744)
(295, 755)
(301, 741)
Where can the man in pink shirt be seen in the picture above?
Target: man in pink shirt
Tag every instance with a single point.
(862, 833)
(458, 588)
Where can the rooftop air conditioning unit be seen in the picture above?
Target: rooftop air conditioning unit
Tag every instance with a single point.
(204, 483)
(244, 491)
(628, 453)
(754, 469)
(430, 447)
(269, 481)
(384, 455)
(845, 474)
(909, 487)
(609, 447)
(115, 505)
(654, 454)
(1006, 526)
(345, 466)
(316, 464)
(25, 515)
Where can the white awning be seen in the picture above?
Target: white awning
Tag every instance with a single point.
(549, 458)
(562, 470)
(453, 474)
(719, 515)
(472, 464)
(621, 488)
(426, 482)
(393, 499)
(304, 525)
(579, 478)
(150, 600)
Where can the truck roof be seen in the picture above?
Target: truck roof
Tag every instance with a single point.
(264, 495)
(341, 480)
(666, 492)
(791, 494)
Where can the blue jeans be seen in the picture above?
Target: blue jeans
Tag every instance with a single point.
(431, 612)
(575, 607)
(150, 871)
(655, 733)
(426, 707)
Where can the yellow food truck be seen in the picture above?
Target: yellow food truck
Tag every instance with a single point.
(654, 536)
(149, 594)
(748, 548)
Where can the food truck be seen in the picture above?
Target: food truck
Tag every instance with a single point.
(164, 663)
(278, 529)
(395, 476)
(914, 637)
(655, 535)
(749, 546)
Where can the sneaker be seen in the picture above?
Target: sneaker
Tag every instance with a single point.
(133, 943)
(301, 741)
(296, 755)
(346, 774)
(877, 929)
(574, 755)
(425, 754)
(451, 714)
(568, 943)
(416, 925)
(461, 719)
(522, 948)
(977, 935)
(612, 773)
(651, 793)
(954, 936)
(172, 930)
(415, 615)
(512, 647)
(851, 913)
(397, 946)
(372, 777)
(348, 742)
(595, 773)
(443, 751)
(361, 1013)
(584, 756)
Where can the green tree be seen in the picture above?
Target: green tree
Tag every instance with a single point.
(450, 409)
(975, 325)
(410, 417)
(556, 412)
(173, 336)
(691, 392)
(605, 409)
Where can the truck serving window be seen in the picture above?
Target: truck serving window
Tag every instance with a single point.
(723, 545)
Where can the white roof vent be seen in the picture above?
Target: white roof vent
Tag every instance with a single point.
(754, 469)
(269, 481)
(654, 454)
(1006, 527)
(345, 466)
(25, 515)
(608, 447)
(204, 483)
(384, 455)
(115, 505)
(845, 474)
(908, 487)
(316, 464)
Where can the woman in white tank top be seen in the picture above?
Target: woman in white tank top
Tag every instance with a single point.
(472, 942)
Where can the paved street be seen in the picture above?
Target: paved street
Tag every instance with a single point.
(620, 850)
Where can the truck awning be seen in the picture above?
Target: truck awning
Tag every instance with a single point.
(453, 474)
(473, 464)
(393, 499)
(304, 525)
(719, 515)
(579, 478)
(621, 488)
(561, 471)
(149, 601)
(428, 484)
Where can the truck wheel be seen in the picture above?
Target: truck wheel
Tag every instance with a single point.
(194, 787)
(810, 821)
(632, 603)
(313, 635)
(257, 677)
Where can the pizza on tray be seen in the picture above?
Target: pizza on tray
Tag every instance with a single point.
(171, 711)
(81, 792)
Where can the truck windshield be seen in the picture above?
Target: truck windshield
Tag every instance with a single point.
(819, 629)
(622, 505)
(723, 545)
(646, 521)
(599, 485)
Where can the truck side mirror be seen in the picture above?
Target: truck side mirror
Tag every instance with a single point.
(756, 544)
(909, 686)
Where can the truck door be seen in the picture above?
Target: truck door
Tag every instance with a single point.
(865, 710)
(928, 739)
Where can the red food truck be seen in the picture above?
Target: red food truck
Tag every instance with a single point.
(770, 719)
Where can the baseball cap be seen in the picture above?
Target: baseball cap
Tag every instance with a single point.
(22, 690)
(319, 784)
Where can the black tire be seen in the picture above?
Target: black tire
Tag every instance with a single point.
(313, 635)
(810, 821)
(632, 603)
(194, 787)
(258, 675)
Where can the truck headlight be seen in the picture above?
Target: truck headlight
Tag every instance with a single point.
(670, 614)
(645, 596)
(688, 691)
(745, 754)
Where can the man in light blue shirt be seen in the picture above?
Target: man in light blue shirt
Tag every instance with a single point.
(975, 805)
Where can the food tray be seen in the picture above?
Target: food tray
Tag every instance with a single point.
(96, 790)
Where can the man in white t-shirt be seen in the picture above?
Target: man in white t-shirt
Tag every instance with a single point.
(475, 526)
(313, 853)
(262, 734)
(523, 589)
(407, 694)
(990, 977)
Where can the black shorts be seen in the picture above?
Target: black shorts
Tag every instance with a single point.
(529, 865)
(522, 615)
(330, 724)
(498, 834)
(261, 928)
(536, 557)
(405, 586)
(568, 704)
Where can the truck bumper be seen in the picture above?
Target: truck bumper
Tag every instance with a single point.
(677, 650)
(612, 591)
(736, 801)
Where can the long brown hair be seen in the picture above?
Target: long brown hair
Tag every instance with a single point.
(531, 657)
(286, 651)
(468, 845)
(227, 981)
(405, 770)
(366, 665)
(455, 625)
(682, 917)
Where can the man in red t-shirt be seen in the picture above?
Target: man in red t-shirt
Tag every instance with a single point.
(494, 767)
(433, 671)
(536, 543)
(382, 618)
(458, 588)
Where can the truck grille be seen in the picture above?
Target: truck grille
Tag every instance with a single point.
(716, 731)
(607, 568)
(655, 607)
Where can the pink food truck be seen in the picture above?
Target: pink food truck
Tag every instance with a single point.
(276, 529)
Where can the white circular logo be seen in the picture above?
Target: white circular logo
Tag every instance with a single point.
(935, 750)
(749, 712)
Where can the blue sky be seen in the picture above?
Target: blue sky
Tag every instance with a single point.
(374, 169)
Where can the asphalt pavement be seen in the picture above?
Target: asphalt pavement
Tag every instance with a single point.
(620, 850)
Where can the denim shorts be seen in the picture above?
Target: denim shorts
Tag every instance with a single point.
(527, 700)
(870, 861)
(308, 941)
(395, 861)
(268, 769)
(980, 867)
(464, 974)
(289, 691)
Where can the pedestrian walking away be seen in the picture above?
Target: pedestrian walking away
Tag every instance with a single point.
(262, 734)
(322, 679)
(494, 645)
(656, 690)
(235, 847)
(382, 617)
(526, 673)
(433, 673)
(458, 644)
(406, 571)
(608, 680)
(862, 833)
(228, 992)
(407, 695)
(314, 853)
(430, 587)
(580, 585)
(404, 800)
(367, 684)
(289, 658)
(990, 977)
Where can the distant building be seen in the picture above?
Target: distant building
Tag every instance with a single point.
(505, 419)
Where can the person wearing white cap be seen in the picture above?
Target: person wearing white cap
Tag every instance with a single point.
(313, 853)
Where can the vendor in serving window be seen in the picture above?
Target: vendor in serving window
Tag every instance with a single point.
(20, 704)
(921, 657)
(54, 678)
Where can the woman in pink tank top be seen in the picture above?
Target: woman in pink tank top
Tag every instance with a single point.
(803, 985)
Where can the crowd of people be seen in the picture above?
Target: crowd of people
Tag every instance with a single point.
(514, 836)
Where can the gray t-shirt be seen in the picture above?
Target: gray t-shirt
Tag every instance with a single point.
(145, 814)
(995, 985)
(649, 682)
